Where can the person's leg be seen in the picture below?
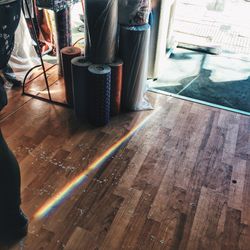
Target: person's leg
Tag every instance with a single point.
(10, 178)
(13, 224)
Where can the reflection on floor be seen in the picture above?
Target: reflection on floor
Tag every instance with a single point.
(212, 78)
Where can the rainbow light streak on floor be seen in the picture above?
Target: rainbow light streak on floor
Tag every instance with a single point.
(59, 197)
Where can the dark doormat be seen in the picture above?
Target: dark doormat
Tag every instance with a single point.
(215, 79)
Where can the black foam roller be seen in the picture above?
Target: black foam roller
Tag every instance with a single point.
(79, 76)
(134, 43)
(99, 83)
(102, 22)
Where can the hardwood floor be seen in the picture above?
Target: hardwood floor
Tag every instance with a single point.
(181, 183)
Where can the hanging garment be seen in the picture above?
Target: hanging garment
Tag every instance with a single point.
(43, 27)
(24, 56)
(45, 34)
(28, 9)
(134, 12)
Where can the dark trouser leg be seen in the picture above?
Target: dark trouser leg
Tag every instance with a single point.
(13, 223)
(9, 169)
(9, 179)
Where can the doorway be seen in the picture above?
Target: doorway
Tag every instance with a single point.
(211, 61)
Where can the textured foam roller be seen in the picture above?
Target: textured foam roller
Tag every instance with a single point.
(99, 80)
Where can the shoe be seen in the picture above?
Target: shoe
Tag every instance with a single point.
(9, 75)
(13, 80)
(13, 227)
(3, 94)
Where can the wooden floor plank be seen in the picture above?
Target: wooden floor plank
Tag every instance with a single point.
(121, 221)
(181, 182)
(232, 229)
(208, 213)
(237, 184)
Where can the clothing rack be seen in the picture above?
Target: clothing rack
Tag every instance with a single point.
(44, 71)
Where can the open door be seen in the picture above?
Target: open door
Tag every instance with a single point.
(162, 17)
(210, 63)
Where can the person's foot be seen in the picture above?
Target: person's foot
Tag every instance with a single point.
(3, 95)
(13, 227)
(9, 75)
(13, 80)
